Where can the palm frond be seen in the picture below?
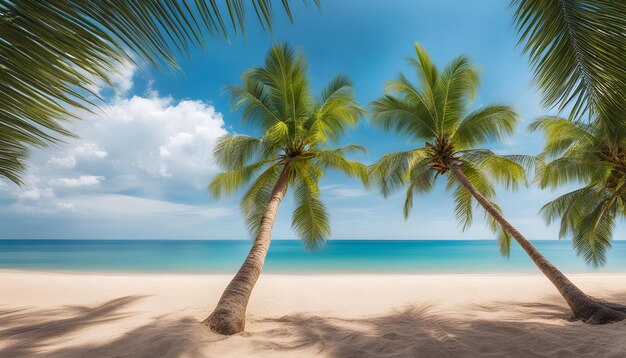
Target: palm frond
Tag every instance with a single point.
(501, 169)
(337, 110)
(255, 102)
(570, 207)
(235, 151)
(421, 180)
(392, 170)
(425, 68)
(529, 163)
(55, 52)
(576, 50)
(228, 182)
(335, 159)
(463, 198)
(310, 219)
(594, 233)
(566, 170)
(284, 81)
(459, 82)
(493, 122)
(404, 117)
(502, 236)
(561, 134)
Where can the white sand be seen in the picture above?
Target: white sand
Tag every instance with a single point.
(83, 315)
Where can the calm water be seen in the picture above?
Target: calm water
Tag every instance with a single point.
(337, 256)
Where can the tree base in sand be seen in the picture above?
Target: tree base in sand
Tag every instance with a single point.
(598, 312)
(225, 322)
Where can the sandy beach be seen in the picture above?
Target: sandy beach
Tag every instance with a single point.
(149, 315)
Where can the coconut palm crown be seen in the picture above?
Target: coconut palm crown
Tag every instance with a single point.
(296, 127)
(578, 152)
(435, 112)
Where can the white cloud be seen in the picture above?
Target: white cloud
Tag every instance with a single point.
(85, 151)
(131, 158)
(35, 194)
(121, 77)
(83, 180)
(33, 198)
(63, 162)
(157, 136)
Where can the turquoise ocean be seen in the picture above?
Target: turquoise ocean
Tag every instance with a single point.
(290, 257)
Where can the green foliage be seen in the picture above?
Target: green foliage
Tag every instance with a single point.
(310, 219)
(53, 52)
(484, 125)
(576, 48)
(391, 171)
(435, 111)
(296, 127)
(581, 153)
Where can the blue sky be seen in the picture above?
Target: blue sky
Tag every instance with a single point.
(140, 169)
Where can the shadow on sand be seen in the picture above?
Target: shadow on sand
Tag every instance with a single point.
(33, 333)
(423, 332)
(417, 331)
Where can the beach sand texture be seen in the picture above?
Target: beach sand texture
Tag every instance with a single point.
(157, 315)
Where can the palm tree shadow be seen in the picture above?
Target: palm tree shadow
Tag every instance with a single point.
(34, 333)
(545, 310)
(185, 337)
(421, 331)
(31, 330)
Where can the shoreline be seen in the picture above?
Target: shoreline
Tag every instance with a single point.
(305, 274)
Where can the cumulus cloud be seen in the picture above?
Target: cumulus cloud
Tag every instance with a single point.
(84, 151)
(144, 156)
(159, 137)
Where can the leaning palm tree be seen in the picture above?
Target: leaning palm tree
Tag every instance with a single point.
(576, 49)
(435, 112)
(53, 52)
(584, 153)
(290, 152)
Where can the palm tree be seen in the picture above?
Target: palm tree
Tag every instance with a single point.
(435, 112)
(295, 126)
(580, 152)
(576, 49)
(53, 52)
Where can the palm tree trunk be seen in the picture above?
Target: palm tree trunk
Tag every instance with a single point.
(229, 317)
(584, 307)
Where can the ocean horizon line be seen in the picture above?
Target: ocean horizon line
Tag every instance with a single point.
(290, 256)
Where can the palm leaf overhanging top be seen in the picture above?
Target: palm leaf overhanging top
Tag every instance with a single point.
(576, 48)
(53, 52)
